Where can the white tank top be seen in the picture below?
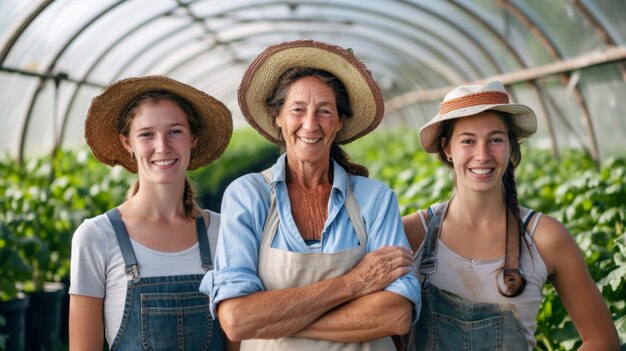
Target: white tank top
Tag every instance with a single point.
(475, 280)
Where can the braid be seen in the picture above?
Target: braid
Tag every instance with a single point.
(192, 209)
(340, 156)
(514, 285)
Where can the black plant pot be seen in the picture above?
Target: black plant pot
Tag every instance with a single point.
(43, 318)
(14, 313)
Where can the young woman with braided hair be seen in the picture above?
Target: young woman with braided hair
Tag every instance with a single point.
(483, 259)
(136, 269)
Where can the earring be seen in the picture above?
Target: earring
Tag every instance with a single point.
(449, 159)
(132, 156)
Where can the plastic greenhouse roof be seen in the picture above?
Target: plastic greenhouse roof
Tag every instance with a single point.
(565, 59)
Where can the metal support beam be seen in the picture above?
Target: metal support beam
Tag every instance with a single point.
(563, 66)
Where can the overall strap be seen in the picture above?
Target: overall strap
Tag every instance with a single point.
(203, 242)
(131, 267)
(428, 264)
(527, 219)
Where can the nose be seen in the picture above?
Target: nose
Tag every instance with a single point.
(483, 153)
(162, 144)
(311, 121)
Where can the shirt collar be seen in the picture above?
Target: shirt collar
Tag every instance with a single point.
(339, 174)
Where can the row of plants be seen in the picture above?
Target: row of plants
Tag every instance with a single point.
(45, 199)
(589, 200)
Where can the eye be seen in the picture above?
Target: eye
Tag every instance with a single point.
(325, 112)
(496, 140)
(144, 134)
(467, 141)
(175, 131)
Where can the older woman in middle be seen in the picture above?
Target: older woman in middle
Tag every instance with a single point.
(312, 254)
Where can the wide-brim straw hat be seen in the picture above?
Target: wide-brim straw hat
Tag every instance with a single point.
(469, 100)
(106, 109)
(261, 77)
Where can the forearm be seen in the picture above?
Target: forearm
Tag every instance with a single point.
(367, 318)
(283, 312)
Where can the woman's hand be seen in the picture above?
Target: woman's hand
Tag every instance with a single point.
(381, 267)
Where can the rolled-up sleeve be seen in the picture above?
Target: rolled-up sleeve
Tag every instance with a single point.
(242, 220)
(385, 230)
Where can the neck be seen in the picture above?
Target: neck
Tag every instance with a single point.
(157, 201)
(308, 176)
(477, 209)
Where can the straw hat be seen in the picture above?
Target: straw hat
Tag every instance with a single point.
(260, 79)
(469, 100)
(101, 124)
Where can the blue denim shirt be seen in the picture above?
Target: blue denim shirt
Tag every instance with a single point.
(245, 206)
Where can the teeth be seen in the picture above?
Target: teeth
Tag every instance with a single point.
(164, 163)
(310, 141)
(481, 170)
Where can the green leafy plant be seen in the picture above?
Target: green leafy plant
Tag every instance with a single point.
(589, 200)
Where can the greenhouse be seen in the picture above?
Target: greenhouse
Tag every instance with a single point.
(565, 59)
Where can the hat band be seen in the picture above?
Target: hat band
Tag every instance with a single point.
(483, 98)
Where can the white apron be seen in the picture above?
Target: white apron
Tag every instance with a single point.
(279, 269)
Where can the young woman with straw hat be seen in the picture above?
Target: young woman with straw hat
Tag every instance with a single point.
(312, 255)
(483, 260)
(136, 270)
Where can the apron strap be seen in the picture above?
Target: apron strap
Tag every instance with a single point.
(203, 243)
(354, 212)
(131, 267)
(271, 222)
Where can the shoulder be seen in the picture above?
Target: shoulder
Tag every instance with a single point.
(247, 182)
(554, 242)
(211, 218)
(415, 225)
(364, 187)
(93, 231)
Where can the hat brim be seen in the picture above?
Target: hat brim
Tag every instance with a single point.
(261, 77)
(106, 109)
(523, 116)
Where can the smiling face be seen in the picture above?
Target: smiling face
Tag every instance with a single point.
(160, 137)
(479, 147)
(309, 121)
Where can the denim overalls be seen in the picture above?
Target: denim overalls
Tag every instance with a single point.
(449, 323)
(165, 313)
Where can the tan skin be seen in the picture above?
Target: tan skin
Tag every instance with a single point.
(348, 308)
(478, 205)
(161, 140)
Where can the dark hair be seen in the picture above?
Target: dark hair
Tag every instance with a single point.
(514, 286)
(275, 102)
(192, 209)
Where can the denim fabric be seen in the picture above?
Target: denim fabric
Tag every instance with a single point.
(448, 323)
(168, 313)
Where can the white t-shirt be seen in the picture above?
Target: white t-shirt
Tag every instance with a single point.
(97, 265)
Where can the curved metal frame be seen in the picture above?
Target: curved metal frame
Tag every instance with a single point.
(365, 15)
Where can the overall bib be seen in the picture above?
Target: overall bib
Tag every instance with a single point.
(448, 323)
(165, 313)
(280, 269)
